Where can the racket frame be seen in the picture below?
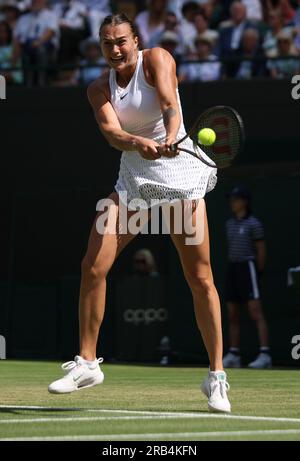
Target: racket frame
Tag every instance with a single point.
(174, 147)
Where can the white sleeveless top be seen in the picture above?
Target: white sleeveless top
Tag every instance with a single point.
(181, 177)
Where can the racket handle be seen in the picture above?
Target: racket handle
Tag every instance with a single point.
(173, 147)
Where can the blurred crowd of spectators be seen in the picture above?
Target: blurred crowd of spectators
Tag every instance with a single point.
(56, 41)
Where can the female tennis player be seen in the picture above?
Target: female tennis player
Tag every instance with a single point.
(138, 110)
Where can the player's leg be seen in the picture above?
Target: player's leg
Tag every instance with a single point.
(195, 260)
(103, 249)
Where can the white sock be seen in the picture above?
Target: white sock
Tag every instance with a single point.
(265, 350)
(88, 362)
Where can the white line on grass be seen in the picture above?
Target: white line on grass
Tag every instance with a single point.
(36, 407)
(173, 436)
(136, 415)
(151, 413)
(90, 418)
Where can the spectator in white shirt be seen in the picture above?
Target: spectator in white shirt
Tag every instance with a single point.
(72, 18)
(99, 5)
(97, 11)
(96, 16)
(201, 71)
(102, 6)
(188, 29)
(38, 28)
(70, 14)
(176, 7)
(171, 24)
(151, 21)
(95, 19)
(201, 25)
(36, 38)
(254, 10)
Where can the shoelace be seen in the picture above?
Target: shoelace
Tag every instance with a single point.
(221, 386)
(68, 366)
(224, 386)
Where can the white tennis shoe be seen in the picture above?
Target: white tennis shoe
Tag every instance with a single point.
(215, 387)
(263, 360)
(80, 374)
(231, 360)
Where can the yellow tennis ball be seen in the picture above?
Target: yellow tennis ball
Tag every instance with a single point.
(206, 136)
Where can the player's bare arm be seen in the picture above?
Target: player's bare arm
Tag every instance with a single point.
(109, 125)
(162, 71)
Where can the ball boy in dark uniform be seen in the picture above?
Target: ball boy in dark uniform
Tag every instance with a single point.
(246, 254)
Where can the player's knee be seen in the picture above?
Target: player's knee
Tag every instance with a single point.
(199, 282)
(93, 270)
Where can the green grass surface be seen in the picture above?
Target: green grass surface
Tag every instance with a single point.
(157, 390)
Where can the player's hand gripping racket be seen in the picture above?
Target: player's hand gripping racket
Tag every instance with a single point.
(229, 129)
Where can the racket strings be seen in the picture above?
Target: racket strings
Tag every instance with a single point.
(229, 136)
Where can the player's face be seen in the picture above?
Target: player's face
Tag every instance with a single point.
(119, 46)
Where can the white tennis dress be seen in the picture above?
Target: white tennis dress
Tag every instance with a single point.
(181, 177)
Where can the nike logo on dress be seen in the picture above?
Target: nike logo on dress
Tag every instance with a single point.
(122, 97)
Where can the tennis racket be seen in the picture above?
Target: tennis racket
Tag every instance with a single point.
(230, 137)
